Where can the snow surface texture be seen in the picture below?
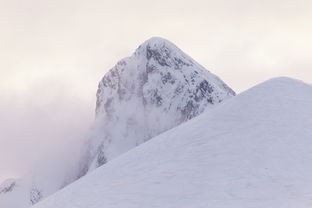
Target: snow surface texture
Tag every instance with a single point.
(254, 150)
(155, 89)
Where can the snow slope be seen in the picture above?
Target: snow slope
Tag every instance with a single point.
(254, 150)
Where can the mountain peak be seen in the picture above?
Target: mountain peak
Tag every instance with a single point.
(164, 52)
(155, 89)
(156, 41)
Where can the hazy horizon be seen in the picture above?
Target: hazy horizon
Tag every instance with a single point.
(53, 53)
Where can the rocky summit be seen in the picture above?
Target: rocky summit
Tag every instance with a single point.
(155, 89)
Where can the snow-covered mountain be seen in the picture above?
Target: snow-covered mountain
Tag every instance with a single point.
(254, 150)
(155, 89)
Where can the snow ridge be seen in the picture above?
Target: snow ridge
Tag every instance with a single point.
(254, 150)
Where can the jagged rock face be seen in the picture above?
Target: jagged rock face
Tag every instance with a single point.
(155, 89)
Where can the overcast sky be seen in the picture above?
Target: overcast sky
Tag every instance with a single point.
(53, 53)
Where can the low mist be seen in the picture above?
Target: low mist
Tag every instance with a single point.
(45, 123)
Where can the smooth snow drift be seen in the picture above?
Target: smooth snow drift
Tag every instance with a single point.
(254, 150)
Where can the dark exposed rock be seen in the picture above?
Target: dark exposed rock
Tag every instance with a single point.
(35, 195)
(7, 186)
(101, 159)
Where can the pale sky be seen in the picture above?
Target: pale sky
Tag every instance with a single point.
(53, 53)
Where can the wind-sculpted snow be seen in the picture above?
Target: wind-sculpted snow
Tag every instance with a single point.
(155, 89)
(254, 150)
